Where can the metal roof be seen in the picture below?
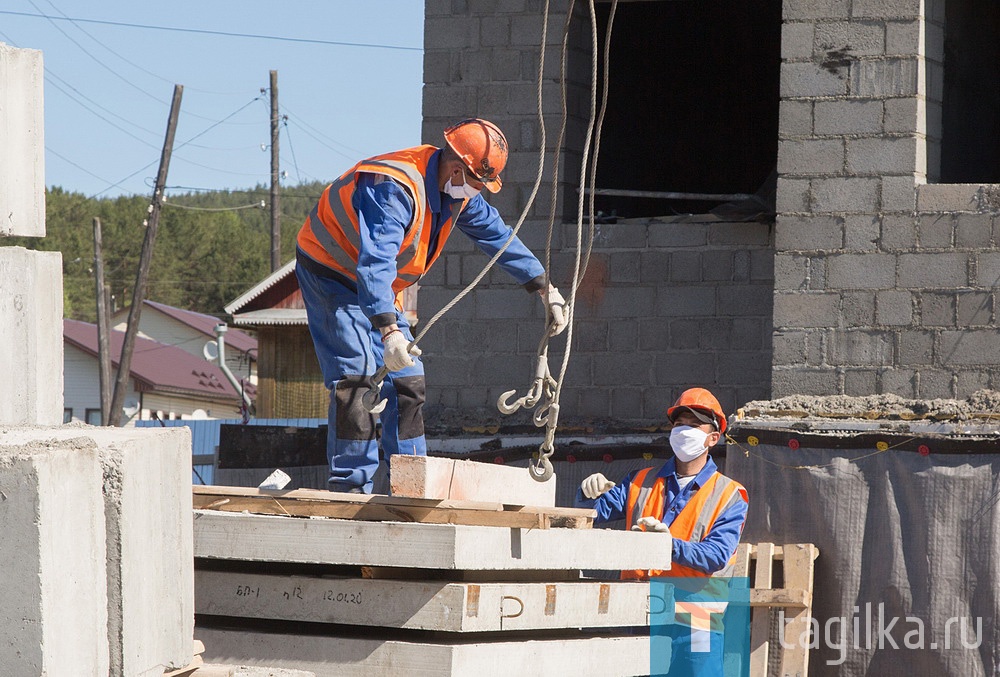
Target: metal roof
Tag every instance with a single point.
(272, 317)
(261, 287)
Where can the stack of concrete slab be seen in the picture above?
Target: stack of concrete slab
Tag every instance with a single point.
(419, 595)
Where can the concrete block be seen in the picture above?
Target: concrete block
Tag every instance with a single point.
(899, 193)
(461, 32)
(448, 101)
(31, 313)
(848, 117)
(748, 233)
(662, 234)
(861, 271)
(622, 337)
(736, 300)
(811, 156)
(793, 195)
(684, 334)
(800, 309)
(749, 332)
(809, 79)
(719, 266)
(902, 382)
(937, 309)
(684, 369)
(685, 302)
(791, 273)
(626, 404)
(845, 195)
(22, 138)
(857, 38)
(905, 38)
(715, 334)
(943, 270)
(447, 478)
(974, 230)
(898, 233)
(789, 348)
(55, 610)
(884, 78)
(886, 9)
(861, 232)
(915, 347)
(860, 348)
(627, 303)
(654, 266)
(948, 197)
(503, 304)
(971, 381)
(882, 156)
(796, 10)
(797, 40)
(974, 308)
(894, 308)
(860, 381)
(988, 269)
(935, 383)
(858, 308)
(743, 368)
(906, 115)
(685, 266)
(808, 233)
(623, 268)
(795, 118)
(804, 381)
(762, 265)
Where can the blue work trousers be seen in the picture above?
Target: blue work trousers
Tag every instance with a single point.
(349, 350)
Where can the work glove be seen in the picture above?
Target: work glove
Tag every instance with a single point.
(650, 524)
(595, 485)
(557, 309)
(395, 351)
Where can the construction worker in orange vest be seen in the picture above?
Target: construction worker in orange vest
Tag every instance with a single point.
(686, 499)
(690, 501)
(374, 232)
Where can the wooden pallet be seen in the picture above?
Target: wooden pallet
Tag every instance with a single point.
(795, 597)
(377, 508)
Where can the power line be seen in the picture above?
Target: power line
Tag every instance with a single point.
(210, 32)
(256, 205)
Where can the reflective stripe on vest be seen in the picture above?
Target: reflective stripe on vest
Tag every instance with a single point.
(693, 523)
(330, 234)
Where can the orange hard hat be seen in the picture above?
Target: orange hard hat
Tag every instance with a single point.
(482, 147)
(703, 405)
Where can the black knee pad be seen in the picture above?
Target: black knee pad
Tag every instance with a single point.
(354, 421)
(410, 391)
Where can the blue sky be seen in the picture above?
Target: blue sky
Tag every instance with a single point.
(108, 87)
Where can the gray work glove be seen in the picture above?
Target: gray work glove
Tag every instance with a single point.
(595, 485)
(557, 309)
(397, 356)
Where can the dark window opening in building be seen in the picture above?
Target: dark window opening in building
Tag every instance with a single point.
(692, 104)
(970, 113)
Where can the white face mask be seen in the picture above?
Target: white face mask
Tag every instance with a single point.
(687, 442)
(463, 192)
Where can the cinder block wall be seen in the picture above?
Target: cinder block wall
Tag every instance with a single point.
(665, 304)
(884, 283)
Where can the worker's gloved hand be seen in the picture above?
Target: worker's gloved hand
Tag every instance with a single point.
(557, 308)
(650, 524)
(595, 485)
(395, 350)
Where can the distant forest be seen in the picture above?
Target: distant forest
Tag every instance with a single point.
(210, 246)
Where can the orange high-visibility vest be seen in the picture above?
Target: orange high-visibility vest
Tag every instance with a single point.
(330, 233)
(646, 497)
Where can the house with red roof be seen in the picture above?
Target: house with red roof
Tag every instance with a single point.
(165, 381)
(195, 334)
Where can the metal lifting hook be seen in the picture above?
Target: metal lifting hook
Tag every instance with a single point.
(542, 470)
(371, 399)
(543, 385)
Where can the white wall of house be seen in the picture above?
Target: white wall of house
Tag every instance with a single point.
(82, 386)
(169, 407)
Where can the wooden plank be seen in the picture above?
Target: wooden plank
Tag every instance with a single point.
(447, 478)
(373, 507)
(190, 669)
(760, 624)
(423, 605)
(798, 569)
(782, 597)
(741, 569)
(373, 657)
(223, 535)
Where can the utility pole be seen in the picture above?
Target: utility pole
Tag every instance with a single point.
(275, 194)
(103, 326)
(145, 258)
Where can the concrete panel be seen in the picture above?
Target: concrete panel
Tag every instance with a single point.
(145, 519)
(423, 605)
(31, 311)
(22, 140)
(220, 535)
(53, 620)
(364, 657)
(446, 478)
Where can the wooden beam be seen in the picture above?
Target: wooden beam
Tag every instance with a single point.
(448, 478)
(760, 624)
(374, 657)
(780, 598)
(423, 605)
(798, 570)
(374, 507)
(223, 535)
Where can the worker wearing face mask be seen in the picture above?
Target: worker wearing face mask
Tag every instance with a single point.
(376, 231)
(686, 499)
